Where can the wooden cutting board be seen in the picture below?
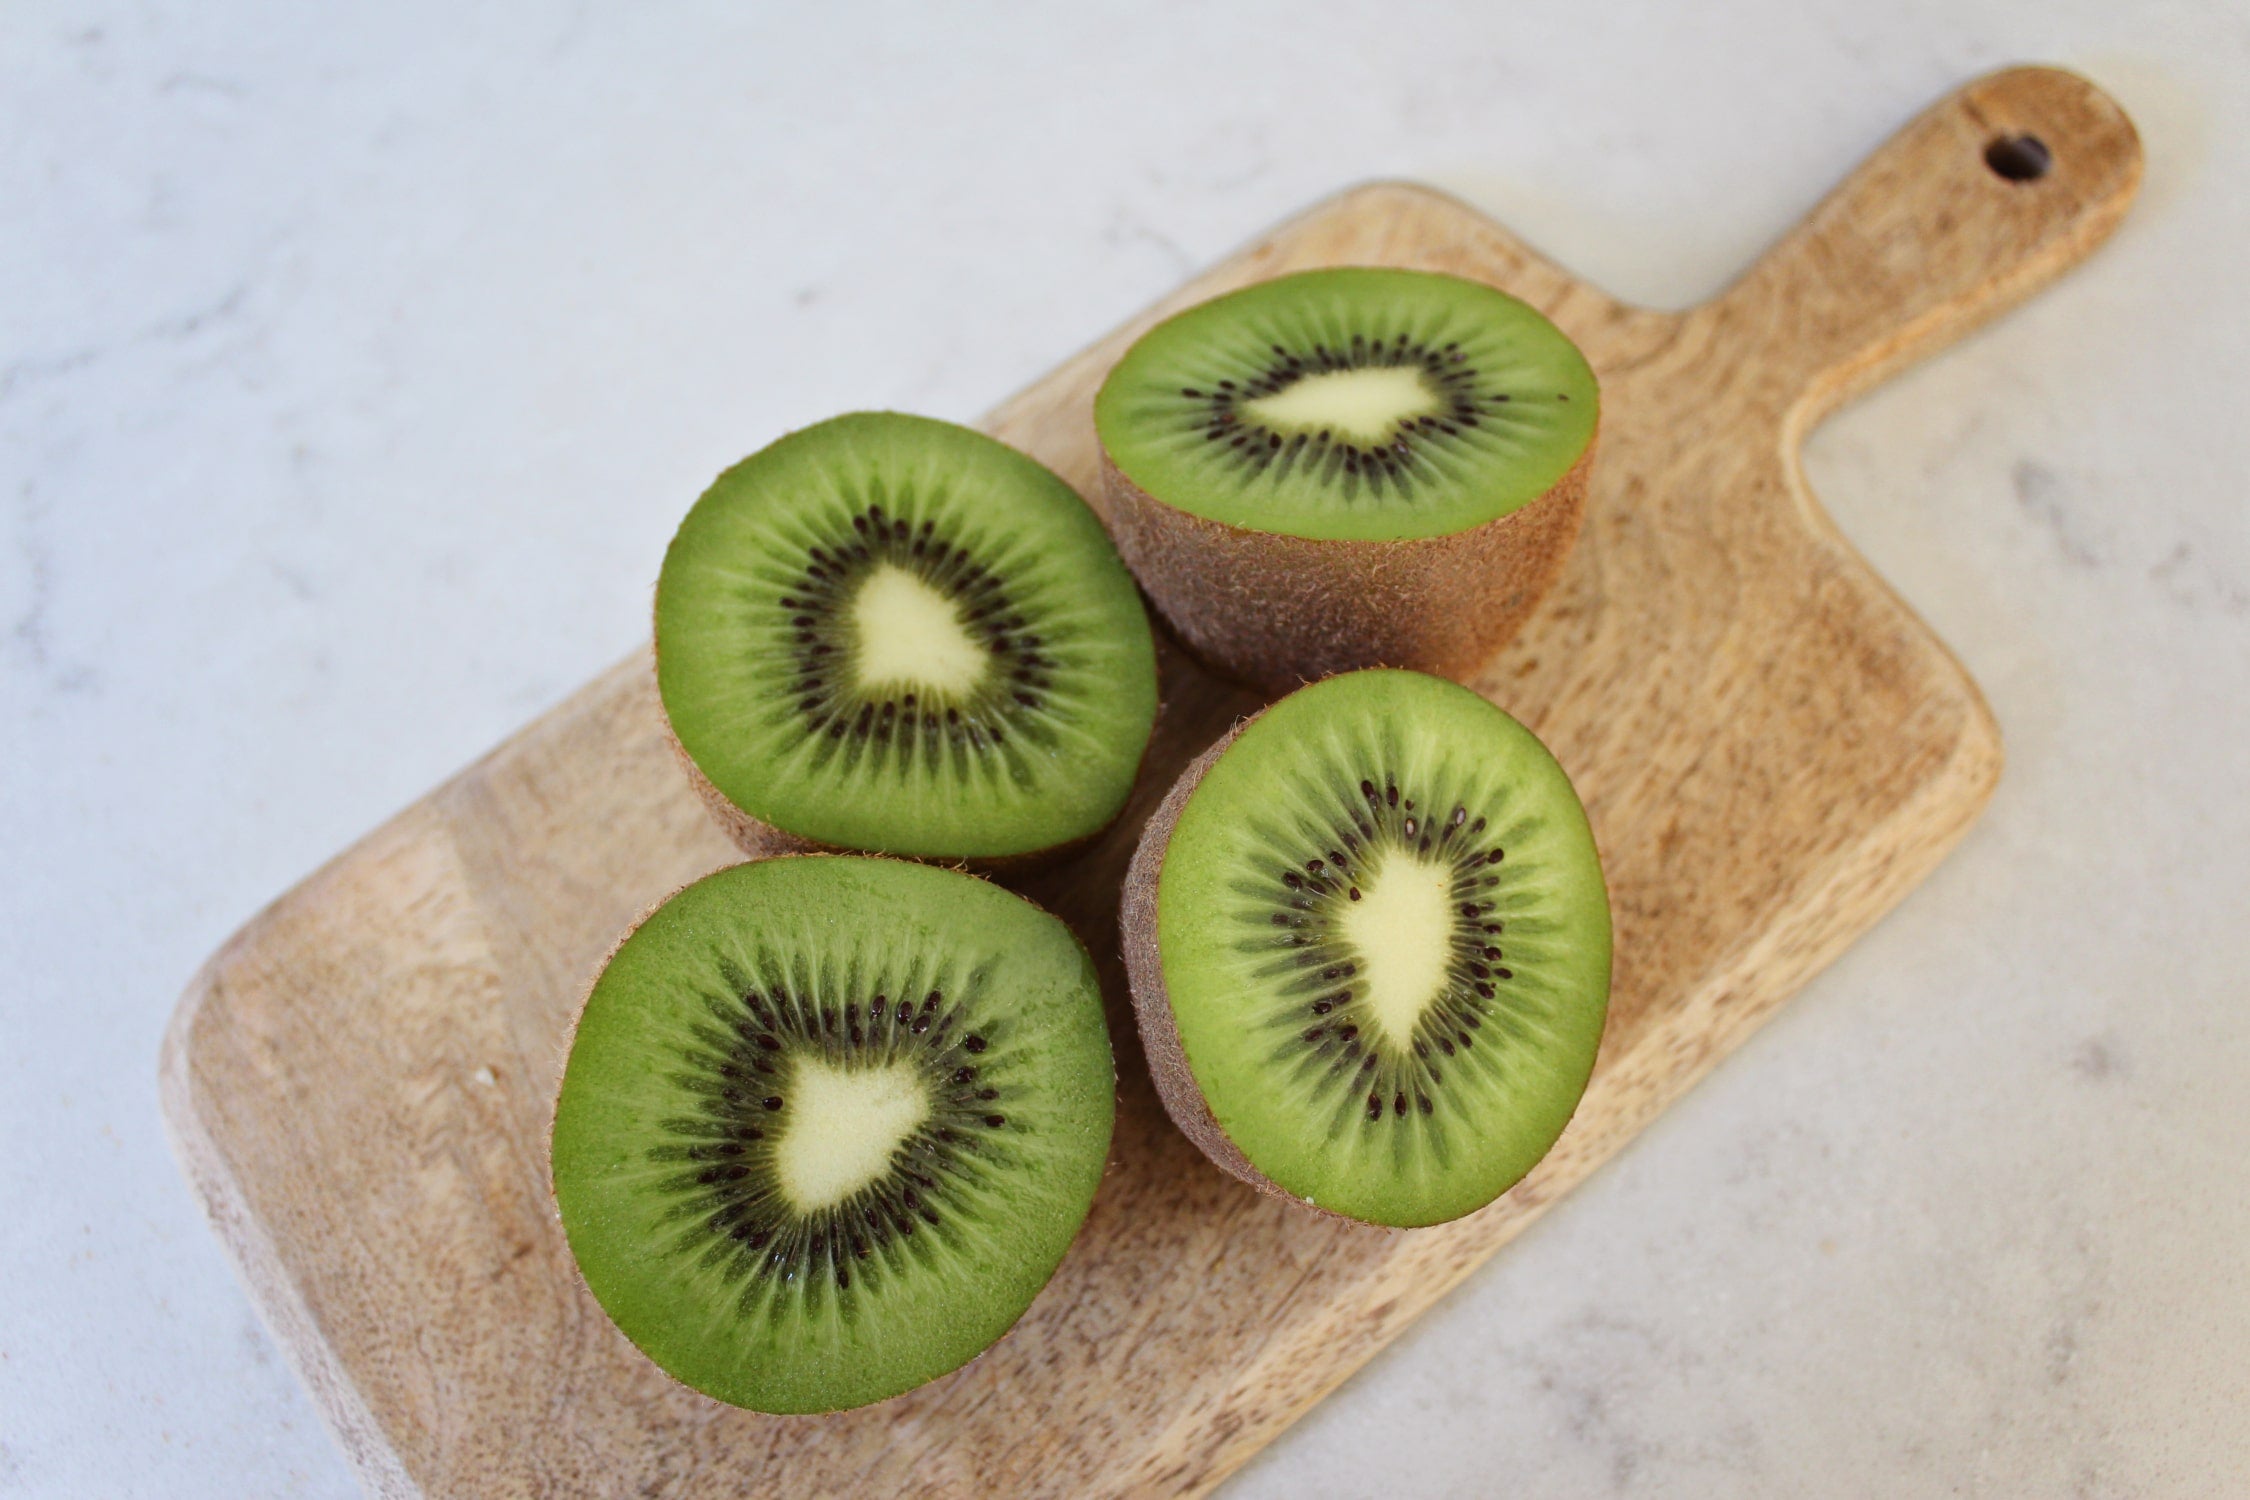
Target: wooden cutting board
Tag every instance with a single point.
(1772, 748)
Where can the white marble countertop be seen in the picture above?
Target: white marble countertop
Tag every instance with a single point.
(356, 362)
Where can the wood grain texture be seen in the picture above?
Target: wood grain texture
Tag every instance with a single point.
(1771, 747)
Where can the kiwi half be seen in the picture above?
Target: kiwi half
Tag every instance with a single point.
(1369, 946)
(894, 634)
(829, 1124)
(1348, 468)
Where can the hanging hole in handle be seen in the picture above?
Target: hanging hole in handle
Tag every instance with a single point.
(2019, 158)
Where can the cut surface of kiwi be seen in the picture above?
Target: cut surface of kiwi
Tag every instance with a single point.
(1357, 403)
(889, 633)
(1370, 949)
(828, 1125)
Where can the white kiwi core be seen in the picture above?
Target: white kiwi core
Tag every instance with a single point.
(1364, 405)
(911, 635)
(843, 1127)
(1402, 928)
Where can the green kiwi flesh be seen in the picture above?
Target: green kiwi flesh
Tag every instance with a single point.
(1351, 404)
(1370, 949)
(894, 634)
(828, 1125)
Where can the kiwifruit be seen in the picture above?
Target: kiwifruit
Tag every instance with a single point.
(1348, 468)
(889, 633)
(1369, 946)
(828, 1124)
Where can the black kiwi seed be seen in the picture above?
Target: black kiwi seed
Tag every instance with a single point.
(1408, 1084)
(1386, 459)
(734, 1198)
(1011, 701)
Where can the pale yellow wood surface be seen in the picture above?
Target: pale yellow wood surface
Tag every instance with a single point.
(1772, 748)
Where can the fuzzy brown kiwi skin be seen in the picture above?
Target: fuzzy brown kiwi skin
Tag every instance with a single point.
(759, 840)
(1152, 1003)
(1280, 611)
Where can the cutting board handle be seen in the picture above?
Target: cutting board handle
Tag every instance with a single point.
(1981, 200)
